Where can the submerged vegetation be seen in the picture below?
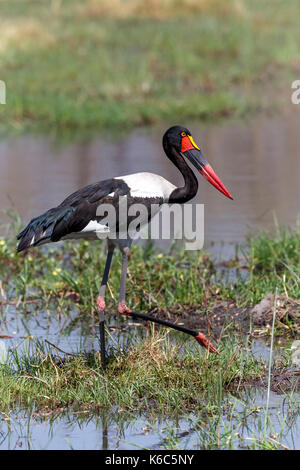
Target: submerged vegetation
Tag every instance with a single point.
(71, 65)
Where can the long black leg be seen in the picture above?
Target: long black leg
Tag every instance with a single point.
(122, 305)
(124, 310)
(199, 337)
(101, 304)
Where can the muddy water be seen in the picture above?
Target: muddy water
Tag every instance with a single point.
(258, 161)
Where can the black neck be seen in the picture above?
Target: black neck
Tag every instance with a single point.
(190, 188)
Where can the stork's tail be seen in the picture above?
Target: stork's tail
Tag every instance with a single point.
(41, 229)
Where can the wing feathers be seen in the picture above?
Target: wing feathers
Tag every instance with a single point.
(72, 215)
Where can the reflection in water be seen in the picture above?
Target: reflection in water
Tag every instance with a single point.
(241, 419)
(71, 333)
(240, 425)
(257, 160)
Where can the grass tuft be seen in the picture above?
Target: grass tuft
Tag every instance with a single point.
(155, 374)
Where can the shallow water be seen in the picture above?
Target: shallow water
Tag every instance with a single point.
(64, 332)
(239, 426)
(241, 420)
(258, 161)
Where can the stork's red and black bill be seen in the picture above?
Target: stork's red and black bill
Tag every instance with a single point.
(190, 150)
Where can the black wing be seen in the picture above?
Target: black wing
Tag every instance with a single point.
(72, 215)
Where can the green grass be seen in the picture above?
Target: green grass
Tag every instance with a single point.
(273, 261)
(145, 377)
(179, 280)
(73, 67)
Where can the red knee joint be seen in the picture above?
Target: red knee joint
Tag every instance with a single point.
(100, 304)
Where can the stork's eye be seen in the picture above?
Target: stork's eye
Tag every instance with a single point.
(183, 134)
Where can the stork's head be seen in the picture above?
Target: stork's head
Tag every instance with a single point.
(180, 140)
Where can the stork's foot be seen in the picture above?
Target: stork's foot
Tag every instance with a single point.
(100, 303)
(201, 339)
(123, 309)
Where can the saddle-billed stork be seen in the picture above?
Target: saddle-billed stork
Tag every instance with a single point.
(77, 216)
